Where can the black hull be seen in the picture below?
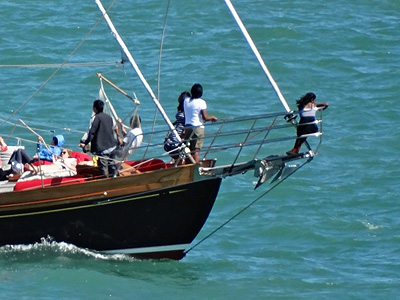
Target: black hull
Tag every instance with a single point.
(154, 224)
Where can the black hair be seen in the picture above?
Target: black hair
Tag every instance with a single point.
(135, 121)
(98, 105)
(303, 101)
(196, 91)
(182, 97)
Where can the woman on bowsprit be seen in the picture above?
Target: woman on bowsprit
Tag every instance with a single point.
(307, 111)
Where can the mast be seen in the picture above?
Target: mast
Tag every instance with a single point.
(136, 67)
(257, 54)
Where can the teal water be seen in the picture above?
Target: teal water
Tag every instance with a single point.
(330, 231)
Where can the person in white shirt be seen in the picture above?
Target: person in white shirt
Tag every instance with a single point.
(131, 140)
(195, 116)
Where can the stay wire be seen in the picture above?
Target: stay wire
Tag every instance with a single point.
(46, 66)
(241, 211)
(159, 70)
(161, 49)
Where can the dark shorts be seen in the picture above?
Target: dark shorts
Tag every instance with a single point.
(307, 129)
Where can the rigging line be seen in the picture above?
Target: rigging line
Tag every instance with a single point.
(241, 211)
(58, 69)
(107, 100)
(132, 113)
(52, 128)
(159, 70)
(37, 134)
(161, 48)
(11, 132)
(88, 64)
(19, 140)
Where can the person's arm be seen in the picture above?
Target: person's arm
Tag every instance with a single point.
(123, 130)
(116, 129)
(39, 143)
(91, 132)
(44, 153)
(3, 144)
(207, 117)
(323, 105)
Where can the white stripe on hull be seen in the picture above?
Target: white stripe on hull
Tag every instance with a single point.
(180, 247)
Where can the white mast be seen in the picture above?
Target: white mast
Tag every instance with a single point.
(135, 66)
(257, 54)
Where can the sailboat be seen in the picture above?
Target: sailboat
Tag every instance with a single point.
(154, 209)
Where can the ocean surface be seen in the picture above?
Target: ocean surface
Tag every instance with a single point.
(331, 231)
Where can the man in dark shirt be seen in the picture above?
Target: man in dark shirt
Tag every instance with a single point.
(103, 142)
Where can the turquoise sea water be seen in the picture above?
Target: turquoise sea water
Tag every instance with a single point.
(330, 231)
